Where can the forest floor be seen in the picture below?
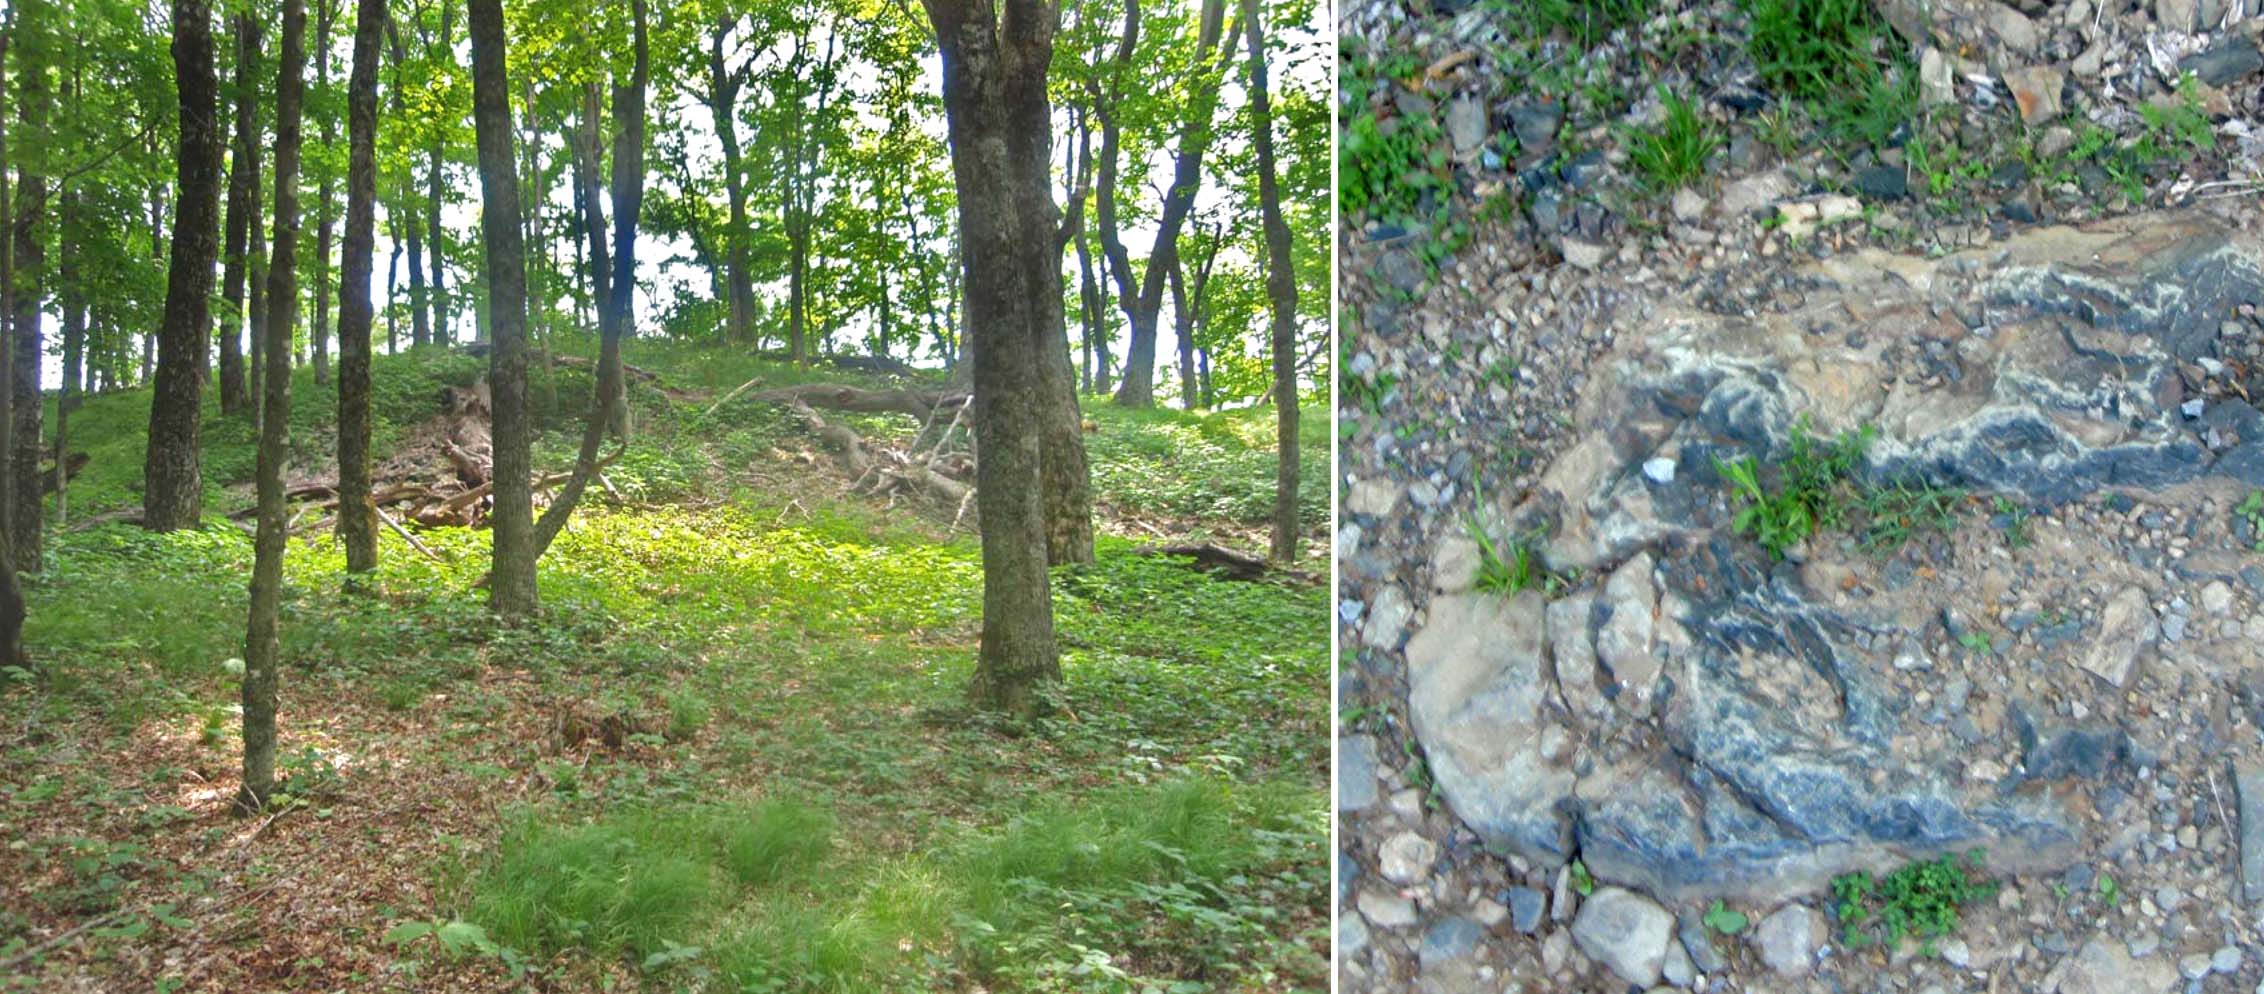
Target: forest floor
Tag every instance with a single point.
(732, 754)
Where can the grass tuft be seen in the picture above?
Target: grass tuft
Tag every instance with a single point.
(1676, 152)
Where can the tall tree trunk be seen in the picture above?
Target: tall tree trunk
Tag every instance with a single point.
(257, 307)
(11, 590)
(243, 191)
(262, 647)
(588, 158)
(173, 491)
(420, 302)
(628, 193)
(24, 523)
(318, 337)
(74, 334)
(392, 288)
(1144, 311)
(511, 580)
(724, 84)
(1281, 288)
(434, 181)
(994, 72)
(357, 517)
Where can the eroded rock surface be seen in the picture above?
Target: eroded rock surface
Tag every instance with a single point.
(1699, 719)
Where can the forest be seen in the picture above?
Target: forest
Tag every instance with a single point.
(818, 495)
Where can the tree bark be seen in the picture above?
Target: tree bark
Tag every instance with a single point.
(420, 302)
(357, 517)
(173, 491)
(628, 201)
(25, 509)
(1281, 288)
(243, 189)
(724, 84)
(318, 336)
(994, 73)
(588, 159)
(256, 290)
(434, 181)
(511, 587)
(11, 591)
(262, 646)
(1144, 311)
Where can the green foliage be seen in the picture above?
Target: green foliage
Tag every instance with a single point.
(1921, 900)
(1583, 882)
(1724, 919)
(1812, 489)
(1385, 162)
(1519, 571)
(2252, 512)
(1217, 467)
(1676, 152)
(1814, 49)
(1585, 22)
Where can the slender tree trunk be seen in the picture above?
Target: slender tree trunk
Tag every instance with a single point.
(994, 73)
(73, 299)
(434, 181)
(11, 591)
(257, 307)
(318, 337)
(392, 289)
(1138, 388)
(628, 194)
(30, 259)
(262, 647)
(511, 580)
(357, 517)
(724, 83)
(420, 302)
(173, 491)
(1281, 288)
(243, 189)
(587, 157)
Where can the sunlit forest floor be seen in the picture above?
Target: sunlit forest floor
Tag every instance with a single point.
(731, 756)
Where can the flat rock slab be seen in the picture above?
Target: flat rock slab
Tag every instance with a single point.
(1764, 734)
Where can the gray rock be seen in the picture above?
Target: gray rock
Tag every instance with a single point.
(2126, 628)
(1448, 941)
(2231, 60)
(1476, 689)
(1536, 125)
(2248, 782)
(1466, 124)
(1699, 943)
(2103, 966)
(1584, 254)
(2225, 960)
(1678, 970)
(1573, 651)
(1406, 858)
(1745, 196)
(1659, 470)
(1882, 183)
(1688, 205)
(1387, 618)
(2036, 90)
(1623, 644)
(1351, 935)
(1937, 82)
(2178, 15)
(1787, 939)
(1386, 910)
(1356, 778)
(1626, 932)
(1526, 906)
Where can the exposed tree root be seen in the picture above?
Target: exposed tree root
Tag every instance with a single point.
(1233, 564)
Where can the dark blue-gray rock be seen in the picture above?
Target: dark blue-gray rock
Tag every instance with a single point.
(2018, 210)
(1535, 123)
(1477, 687)
(1356, 778)
(2230, 60)
(2248, 782)
(1626, 932)
(1882, 183)
(1526, 906)
(1582, 171)
(1402, 271)
(1447, 941)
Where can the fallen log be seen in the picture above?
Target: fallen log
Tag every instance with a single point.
(1233, 564)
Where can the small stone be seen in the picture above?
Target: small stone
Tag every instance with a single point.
(1659, 470)
(1688, 205)
(2182, 16)
(1351, 935)
(1387, 618)
(2126, 628)
(2105, 967)
(1699, 943)
(2225, 960)
(1586, 255)
(1787, 940)
(1356, 774)
(2193, 966)
(1374, 497)
(2037, 90)
(2248, 782)
(1526, 905)
(1466, 124)
(2230, 61)
(1448, 941)
(1386, 910)
(1742, 198)
(1625, 931)
(1678, 970)
(1937, 83)
(1406, 858)
(2217, 598)
(1882, 183)
(1535, 125)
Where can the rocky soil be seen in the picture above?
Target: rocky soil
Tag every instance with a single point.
(2062, 668)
